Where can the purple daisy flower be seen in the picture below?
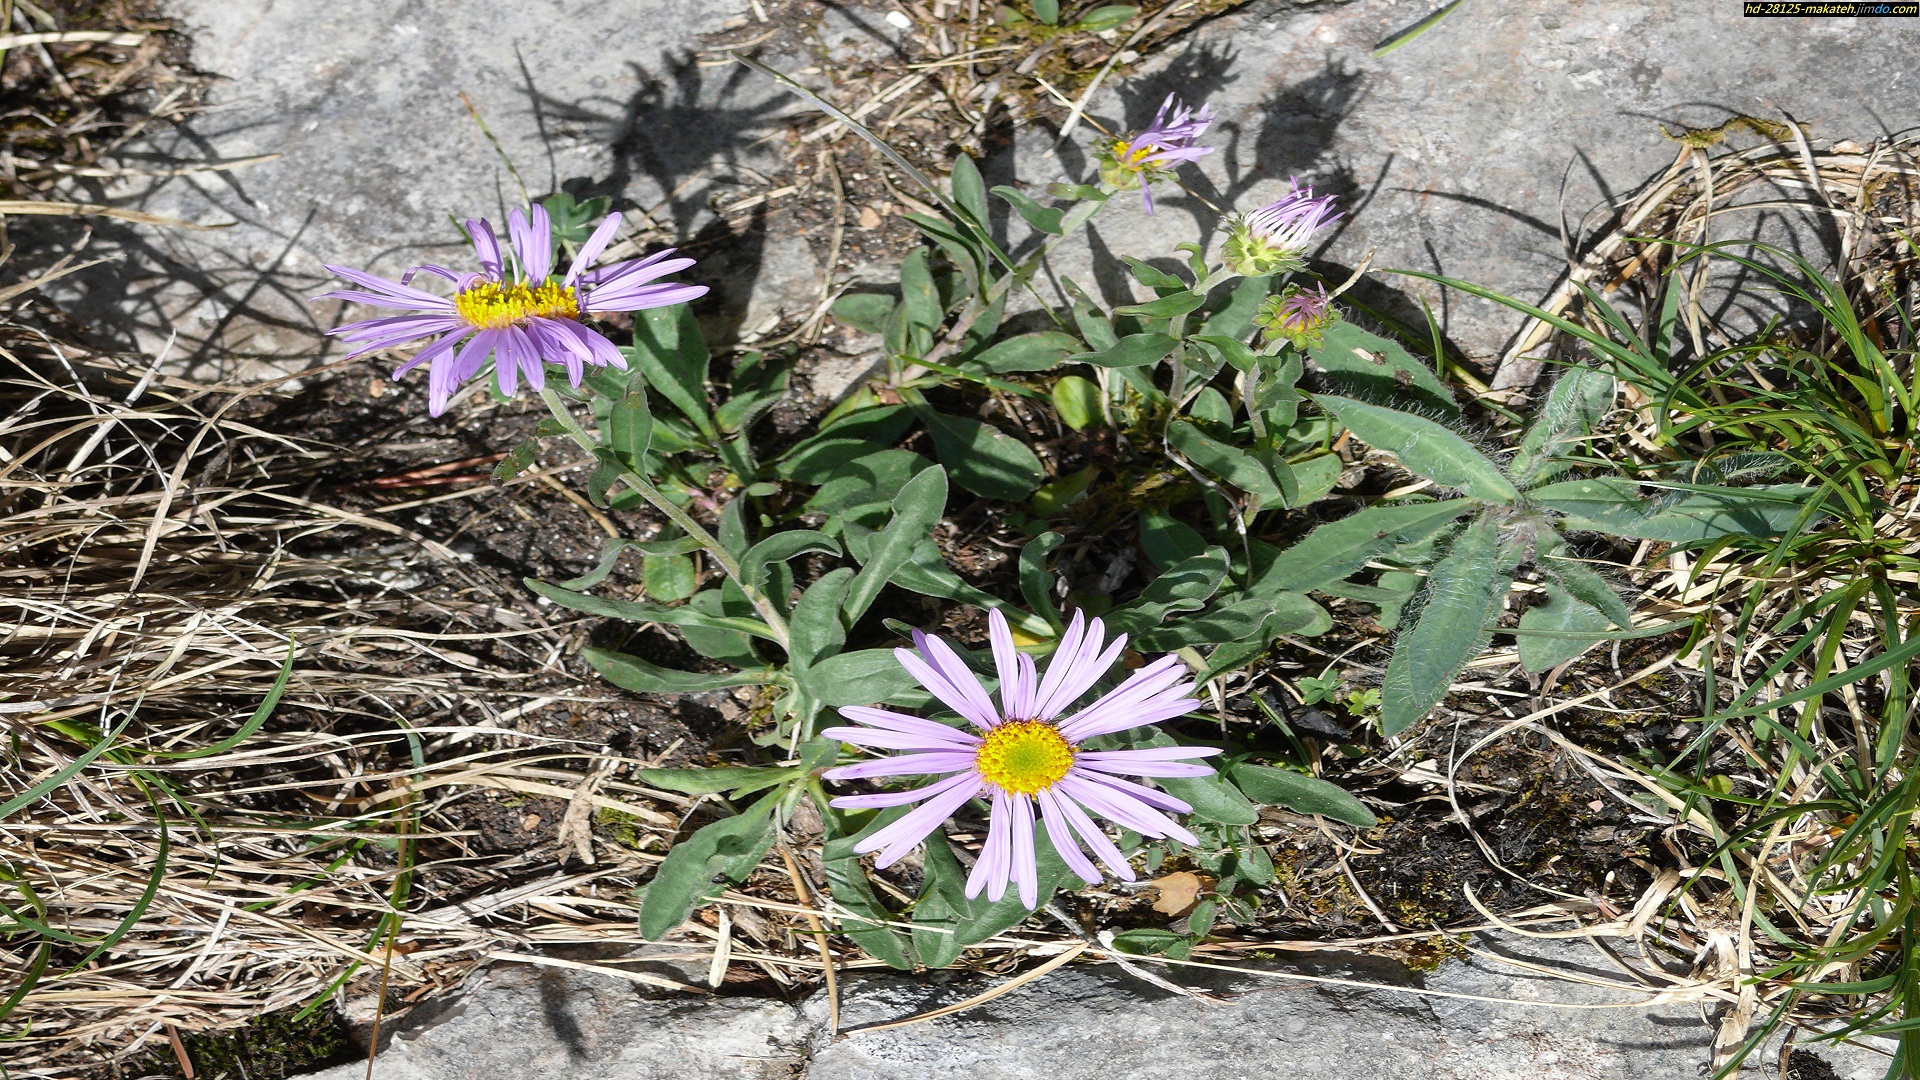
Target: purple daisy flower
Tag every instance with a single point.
(1166, 142)
(517, 313)
(1028, 762)
(1275, 237)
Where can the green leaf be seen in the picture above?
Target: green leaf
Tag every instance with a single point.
(983, 919)
(1167, 307)
(1231, 352)
(1148, 941)
(819, 460)
(1028, 352)
(1234, 320)
(861, 677)
(1614, 505)
(516, 461)
(687, 876)
(1340, 548)
(847, 881)
(1423, 446)
(756, 388)
(1544, 643)
(629, 672)
(1229, 463)
(983, 459)
(1044, 219)
(1462, 594)
(969, 191)
(781, 547)
(864, 311)
(1105, 18)
(1055, 496)
(1241, 620)
(1581, 583)
(1135, 350)
(1184, 586)
(736, 780)
(1301, 794)
(919, 300)
(726, 646)
(642, 612)
(942, 904)
(1077, 401)
(668, 578)
(1579, 398)
(668, 350)
(1166, 540)
(816, 629)
(1212, 798)
(1161, 282)
(1378, 369)
(630, 429)
(1315, 477)
(916, 510)
(1047, 11)
(1036, 581)
(869, 481)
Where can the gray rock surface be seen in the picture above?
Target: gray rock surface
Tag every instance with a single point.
(1080, 1023)
(1450, 152)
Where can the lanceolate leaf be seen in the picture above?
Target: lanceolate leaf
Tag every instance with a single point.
(1137, 350)
(644, 677)
(1340, 548)
(1579, 398)
(1380, 369)
(942, 904)
(847, 880)
(1043, 218)
(1184, 586)
(983, 918)
(983, 459)
(1301, 794)
(915, 511)
(861, 677)
(1614, 505)
(1544, 631)
(1462, 591)
(1581, 583)
(1028, 352)
(816, 630)
(1229, 463)
(1423, 446)
(729, 848)
(636, 611)
(668, 349)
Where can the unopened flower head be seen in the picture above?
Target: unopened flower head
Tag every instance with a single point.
(1299, 316)
(517, 312)
(1027, 761)
(1274, 239)
(1166, 142)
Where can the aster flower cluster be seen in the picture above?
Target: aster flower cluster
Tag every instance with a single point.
(513, 310)
(1028, 762)
(1166, 142)
(1274, 238)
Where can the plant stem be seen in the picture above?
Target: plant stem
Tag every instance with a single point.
(656, 499)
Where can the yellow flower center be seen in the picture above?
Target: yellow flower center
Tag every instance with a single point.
(491, 306)
(1024, 756)
(1129, 155)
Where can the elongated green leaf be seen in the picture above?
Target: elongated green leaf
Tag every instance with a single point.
(1047, 11)
(629, 672)
(1184, 586)
(847, 881)
(669, 351)
(630, 429)
(816, 630)
(916, 509)
(1228, 463)
(1423, 446)
(1028, 352)
(1301, 794)
(1036, 581)
(729, 848)
(983, 459)
(1379, 369)
(1166, 307)
(736, 780)
(1340, 548)
(942, 904)
(1105, 18)
(1315, 477)
(726, 646)
(1579, 398)
(637, 611)
(1462, 592)
(872, 480)
(1166, 540)
(821, 460)
(779, 548)
(1135, 350)
(1581, 583)
(253, 723)
(919, 300)
(864, 311)
(1077, 401)
(969, 191)
(1044, 219)
(1236, 318)
(1614, 505)
(668, 578)
(1231, 351)
(1543, 641)
(861, 677)
(611, 554)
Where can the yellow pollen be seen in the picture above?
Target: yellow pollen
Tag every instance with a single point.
(1024, 756)
(491, 306)
(1129, 155)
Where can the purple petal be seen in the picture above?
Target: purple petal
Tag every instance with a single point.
(974, 706)
(1145, 768)
(1080, 672)
(400, 295)
(527, 355)
(1096, 839)
(591, 250)
(904, 765)
(1015, 700)
(991, 868)
(415, 325)
(890, 798)
(893, 721)
(1024, 871)
(486, 245)
(638, 298)
(532, 241)
(1063, 655)
(899, 740)
(464, 366)
(636, 271)
(1153, 797)
(355, 296)
(436, 401)
(1100, 795)
(1151, 689)
(1061, 834)
(557, 346)
(904, 835)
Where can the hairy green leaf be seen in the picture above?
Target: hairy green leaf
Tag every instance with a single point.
(1544, 630)
(1614, 505)
(916, 510)
(1423, 446)
(1579, 398)
(983, 459)
(1135, 350)
(729, 848)
(1028, 352)
(1379, 369)
(1462, 593)
(1044, 219)
(669, 351)
(1342, 547)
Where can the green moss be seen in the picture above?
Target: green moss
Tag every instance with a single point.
(269, 1047)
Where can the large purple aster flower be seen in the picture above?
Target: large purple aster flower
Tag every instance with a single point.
(1166, 142)
(516, 312)
(1026, 761)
